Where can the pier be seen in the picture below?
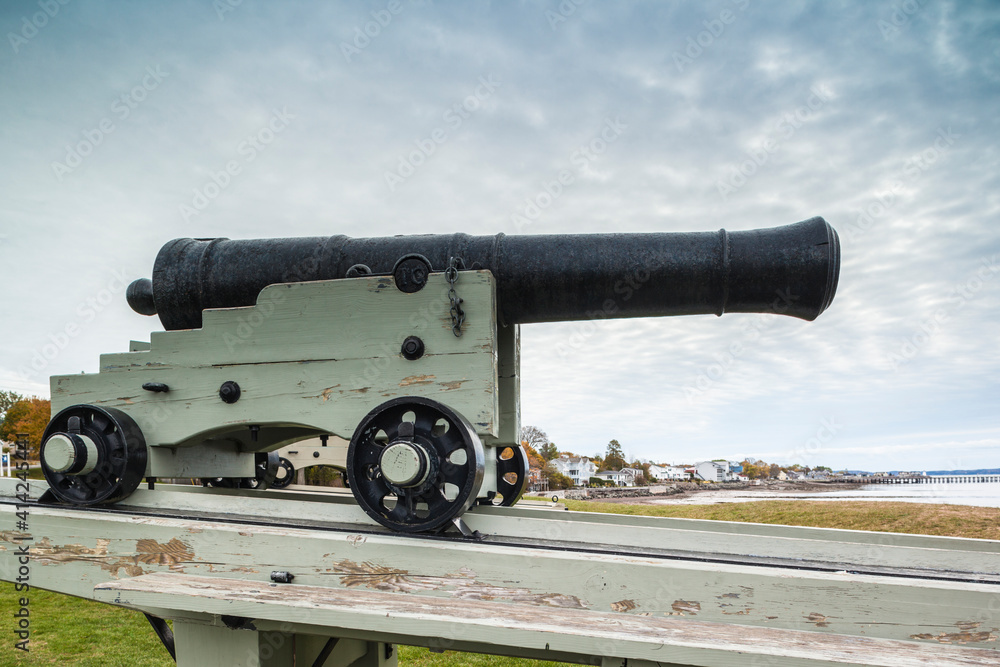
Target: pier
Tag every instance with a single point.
(922, 479)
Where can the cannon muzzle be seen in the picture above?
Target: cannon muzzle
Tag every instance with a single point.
(790, 270)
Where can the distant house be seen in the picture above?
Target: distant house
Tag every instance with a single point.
(6, 458)
(578, 468)
(796, 476)
(536, 480)
(623, 477)
(667, 473)
(782, 475)
(713, 471)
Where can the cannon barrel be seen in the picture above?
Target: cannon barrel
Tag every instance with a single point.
(790, 270)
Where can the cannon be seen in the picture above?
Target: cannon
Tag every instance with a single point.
(406, 348)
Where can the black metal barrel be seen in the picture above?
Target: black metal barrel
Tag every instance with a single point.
(790, 270)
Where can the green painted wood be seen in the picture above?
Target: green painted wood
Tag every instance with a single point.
(200, 644)
(310, 358)
(534, 521)
(473, 624)
(75, 550)
(509, 384)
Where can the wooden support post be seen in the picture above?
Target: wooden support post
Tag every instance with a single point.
(200, 644)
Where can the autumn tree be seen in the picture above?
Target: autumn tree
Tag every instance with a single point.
(614, 457)
(774, 470)
(643, 478)
(7, 399)
(535, 459)
(28, 415)
(756, 470)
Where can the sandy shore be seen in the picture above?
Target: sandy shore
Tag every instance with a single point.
(711, 494)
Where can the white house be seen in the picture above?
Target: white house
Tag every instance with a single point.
(623, 477)
(665, 473)
(717, 471)
(578, 468)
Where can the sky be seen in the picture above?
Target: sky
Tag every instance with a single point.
(125, 125)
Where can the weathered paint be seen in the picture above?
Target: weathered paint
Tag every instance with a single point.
(528, 630)
(339, 551)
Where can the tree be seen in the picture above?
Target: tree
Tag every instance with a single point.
(756, 470)
(535, 459)
(8, 399)
(534, 436)
(774, 470)
(556, 479)
(549, 451)
(614, 458)
(28, 415)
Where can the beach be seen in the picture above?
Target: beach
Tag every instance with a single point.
(972, 494)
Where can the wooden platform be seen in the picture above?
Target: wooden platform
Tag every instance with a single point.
(421, 621)
(541, 583)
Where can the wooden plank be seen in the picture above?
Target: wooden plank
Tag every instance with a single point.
(73, 550)
(559, 629)
(849, 548)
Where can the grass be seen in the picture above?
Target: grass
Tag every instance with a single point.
(67, 630)
(893, 517)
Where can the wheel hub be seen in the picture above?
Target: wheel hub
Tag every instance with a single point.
(404, 464)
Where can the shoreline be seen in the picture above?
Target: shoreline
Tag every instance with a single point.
(687, 493)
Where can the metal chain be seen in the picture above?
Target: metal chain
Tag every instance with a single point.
(457, 314)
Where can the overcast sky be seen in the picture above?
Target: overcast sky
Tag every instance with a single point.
(882, 117)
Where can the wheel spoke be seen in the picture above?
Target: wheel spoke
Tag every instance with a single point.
(455, 474)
